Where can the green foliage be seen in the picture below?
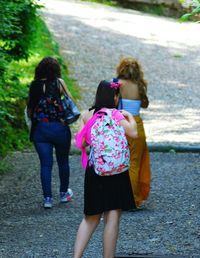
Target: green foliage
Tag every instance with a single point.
(14, 88)
(24, 41)
(16, 30)
(195, 6)
(106, 2)
(152, 9)
(12, 101)
(4, 166)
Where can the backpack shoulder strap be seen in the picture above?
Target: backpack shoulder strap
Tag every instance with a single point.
(82, 133)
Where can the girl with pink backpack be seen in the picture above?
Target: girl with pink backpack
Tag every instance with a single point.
(107, 189)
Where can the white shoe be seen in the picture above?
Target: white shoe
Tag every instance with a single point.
(48, 203)
(66, 196)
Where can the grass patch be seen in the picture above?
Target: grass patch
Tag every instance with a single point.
(177, 55)
(158, 10)
(106, 2)
(5, 166)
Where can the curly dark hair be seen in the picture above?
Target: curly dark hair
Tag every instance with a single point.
(48, 68)
(130, 69)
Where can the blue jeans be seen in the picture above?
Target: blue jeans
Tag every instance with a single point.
(45, 137)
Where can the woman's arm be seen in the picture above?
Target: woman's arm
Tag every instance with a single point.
(66, 89)
(85, 116)
(129, 124)
(33, 98)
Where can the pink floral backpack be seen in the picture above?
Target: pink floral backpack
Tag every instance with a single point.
(109, 147)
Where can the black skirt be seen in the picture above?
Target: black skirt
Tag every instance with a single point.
(104, 193)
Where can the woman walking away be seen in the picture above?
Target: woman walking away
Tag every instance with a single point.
(107, 188)
(48, 127)
(134, 96)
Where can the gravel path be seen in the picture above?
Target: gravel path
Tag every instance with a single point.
(169, 224)
(93, 37)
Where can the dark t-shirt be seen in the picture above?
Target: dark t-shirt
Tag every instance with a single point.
(36, 92)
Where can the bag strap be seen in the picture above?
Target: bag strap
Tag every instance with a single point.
(100, 113)
(64, 90)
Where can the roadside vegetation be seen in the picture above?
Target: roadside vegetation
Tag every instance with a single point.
(24, 41)
(154, 9)
(192, 13)
(106, 2)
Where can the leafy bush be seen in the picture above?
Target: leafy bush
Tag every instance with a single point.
(12, 97)
(5, 166)
(17, 19)
(194, 13)
(14, 88)
(17, 27)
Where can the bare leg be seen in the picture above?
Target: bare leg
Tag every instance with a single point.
(85, 231)
(111, 229)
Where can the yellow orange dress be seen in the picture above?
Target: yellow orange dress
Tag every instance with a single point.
(139, 171)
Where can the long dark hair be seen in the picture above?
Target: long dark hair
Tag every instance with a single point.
(105, 96)
(48, 68)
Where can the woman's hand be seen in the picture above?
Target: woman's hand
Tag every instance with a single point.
(129, 124)
(126, 114)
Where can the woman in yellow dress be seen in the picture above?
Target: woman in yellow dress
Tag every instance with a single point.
(133, 97)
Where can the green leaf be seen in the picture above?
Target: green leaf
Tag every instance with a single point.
(185, 17)
(196, 10)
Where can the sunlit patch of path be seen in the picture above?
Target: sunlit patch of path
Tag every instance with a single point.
(93, 37)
